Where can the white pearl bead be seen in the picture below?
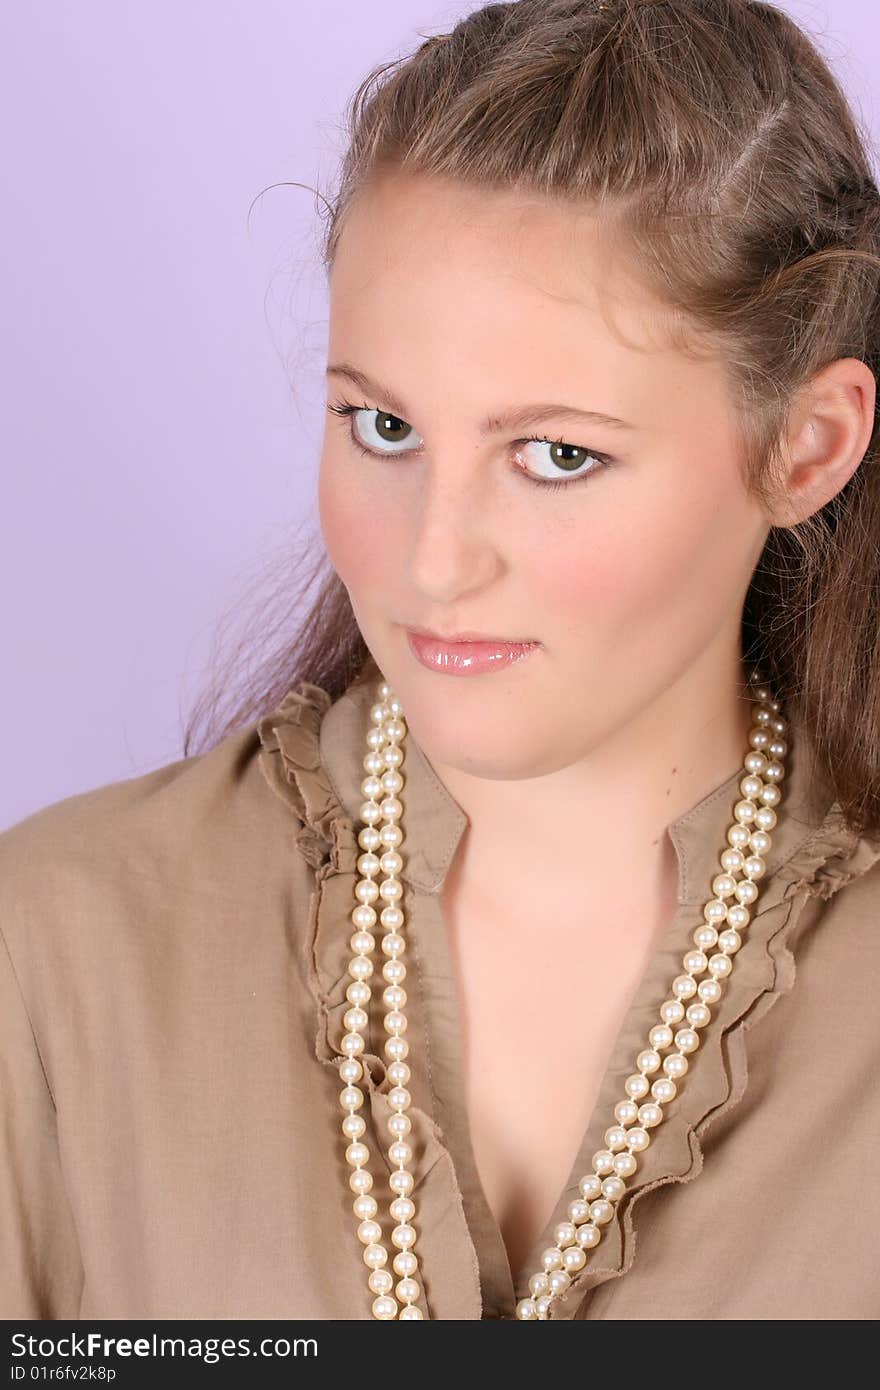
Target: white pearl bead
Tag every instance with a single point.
(410, 1313)
(355, 1018)
(672, 1011)
(738, 916)
(538, 1284)
(746, 891)
(573, 1259)
(660, 1035)
(637, 1086)
(601, 1211)
(526, 1309)
(405, 1262)
(551, 1259)
(695, 962)
(384, 1307)
(637, 1139)
(663, 1089)
(380, 1281)
(720, 965)
(625, 1164)
(675, 1065)
(588, 1236)
(698, 1015)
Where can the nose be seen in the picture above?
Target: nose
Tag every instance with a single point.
(454, 543)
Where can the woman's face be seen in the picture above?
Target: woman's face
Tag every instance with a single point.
(456, 308)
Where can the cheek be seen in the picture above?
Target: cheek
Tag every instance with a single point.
(357, 530)
(642, 563)
(342, 518)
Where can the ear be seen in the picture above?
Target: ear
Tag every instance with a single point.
(830, 428)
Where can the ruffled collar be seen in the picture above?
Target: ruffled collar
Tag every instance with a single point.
(312, 752)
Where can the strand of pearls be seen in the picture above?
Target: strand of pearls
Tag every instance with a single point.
(706, 968)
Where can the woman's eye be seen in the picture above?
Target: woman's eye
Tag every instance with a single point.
(576, 460)
(378, 431)
(545, 462)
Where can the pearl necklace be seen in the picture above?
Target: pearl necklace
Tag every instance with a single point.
(748, 840)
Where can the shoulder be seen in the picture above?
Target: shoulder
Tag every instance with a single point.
(202, 825)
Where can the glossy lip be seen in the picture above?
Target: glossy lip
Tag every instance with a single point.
(464, 658)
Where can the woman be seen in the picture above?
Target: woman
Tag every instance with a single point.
(534, 994)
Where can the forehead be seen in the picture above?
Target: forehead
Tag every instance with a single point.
(510, 288)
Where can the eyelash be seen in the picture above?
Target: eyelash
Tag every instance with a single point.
(345, 408)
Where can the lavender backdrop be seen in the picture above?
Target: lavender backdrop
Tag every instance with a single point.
(163, 351)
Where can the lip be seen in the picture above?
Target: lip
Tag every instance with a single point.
(465, 657)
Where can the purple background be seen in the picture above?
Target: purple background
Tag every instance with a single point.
(163, 351)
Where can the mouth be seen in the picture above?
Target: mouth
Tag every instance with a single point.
(466, 656)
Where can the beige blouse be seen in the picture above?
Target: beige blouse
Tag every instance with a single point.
(172, 985)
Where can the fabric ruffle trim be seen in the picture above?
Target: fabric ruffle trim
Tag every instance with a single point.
(766, 970)
(327, 838)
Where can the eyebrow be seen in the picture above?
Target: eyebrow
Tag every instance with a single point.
(515, 417)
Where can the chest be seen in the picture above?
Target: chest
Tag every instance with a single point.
(541, 1002)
